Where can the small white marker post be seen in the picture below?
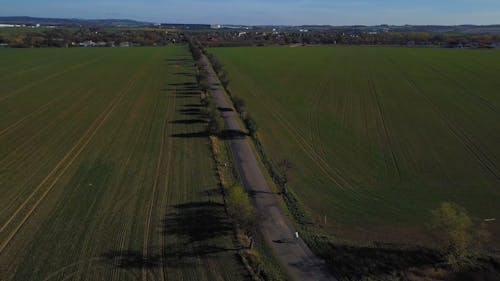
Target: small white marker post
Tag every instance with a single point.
(296, 235)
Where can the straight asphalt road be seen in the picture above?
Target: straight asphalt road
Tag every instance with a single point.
(295, 256)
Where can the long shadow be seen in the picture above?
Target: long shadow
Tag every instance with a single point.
(179, 62)
(212, 192)
(197, 222)
(192, 230)
(190, 110)
(179, 59)
(193, 225)
(190, 85)
(202, 134)
(225, 134)
(182, 91)
(188, 121)
(194, 105)
(232, 134)
(185, 74)
(380, 261)
(183, 87)
(225, 109)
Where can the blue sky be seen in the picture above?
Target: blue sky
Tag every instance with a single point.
(294, 12)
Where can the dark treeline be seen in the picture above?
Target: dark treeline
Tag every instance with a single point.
(91, 37)
(228, 38)
(102, 37)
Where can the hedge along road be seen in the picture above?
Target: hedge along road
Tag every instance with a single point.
(296, 257)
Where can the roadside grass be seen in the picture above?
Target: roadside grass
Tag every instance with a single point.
(104, 173)
(260, 256)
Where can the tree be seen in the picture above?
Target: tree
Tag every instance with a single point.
(239, 104)
(458, 237)
(251, 125)
(215, 121)
(204, 85)
(224, 79)
(239, 208)
(201, 75)
(215, 63)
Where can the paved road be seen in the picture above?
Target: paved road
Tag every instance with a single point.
(294, 254)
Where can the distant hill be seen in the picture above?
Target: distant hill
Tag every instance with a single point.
(66, 22)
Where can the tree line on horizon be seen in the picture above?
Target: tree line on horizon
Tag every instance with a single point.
(228, 38)
(71, 37)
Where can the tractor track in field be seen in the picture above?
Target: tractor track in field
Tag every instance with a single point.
(64, 268)
(466, 91)
(386, 131)
(36, 112)
(149, 215)
(14, 74)
(41, 130)
(86, 138)
(163, 252)
(309, 149)
(158, 175)
(47, 78)
(26, 155)
(121, 204)
(458, 132)
(4, 163)
(315, 126)
(333, 174)
(474, 73)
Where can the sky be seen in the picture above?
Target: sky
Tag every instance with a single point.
(262, 12)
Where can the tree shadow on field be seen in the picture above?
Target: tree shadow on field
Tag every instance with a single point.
(224, 135)
(188, 121)
(190, 111)
(180, 61)
(192, 230)
(185, 74)
(183, 87)
(202, 134)
(193, 105)
(196, 227)
(378, 261)
(197, 222)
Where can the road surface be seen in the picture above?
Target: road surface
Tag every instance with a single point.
(295, 256)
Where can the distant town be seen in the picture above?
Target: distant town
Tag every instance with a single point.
(23, 32)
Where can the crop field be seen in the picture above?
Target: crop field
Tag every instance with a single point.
(377, 137)
(104, 174)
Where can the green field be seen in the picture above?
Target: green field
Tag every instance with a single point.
(377, 136)
(101, 173)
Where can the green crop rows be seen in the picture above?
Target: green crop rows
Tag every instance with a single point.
(104, 174)
(377, 136)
